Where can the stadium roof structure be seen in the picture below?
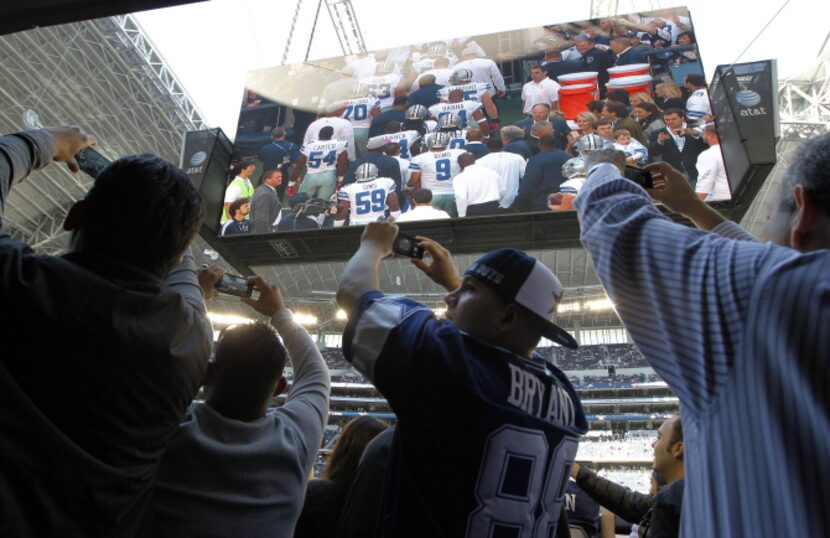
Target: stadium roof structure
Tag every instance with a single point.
(107, 76)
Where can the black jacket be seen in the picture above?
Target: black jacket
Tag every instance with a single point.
(684, 161)
(658, 516)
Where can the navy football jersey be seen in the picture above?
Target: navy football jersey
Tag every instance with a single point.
(486, 437)
(583, 511)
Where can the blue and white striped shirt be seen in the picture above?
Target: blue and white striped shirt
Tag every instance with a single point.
(740, 330)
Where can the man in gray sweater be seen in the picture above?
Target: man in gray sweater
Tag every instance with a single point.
(233, 469)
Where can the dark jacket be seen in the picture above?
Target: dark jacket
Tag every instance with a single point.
(543, 176)
(380, 121)
(519, 147)
(274, 155)
(685, 161)
(478, 149)
(100, 361)
(324, 500)
(629, 57)
(427, 96)
(265, 207)
(657, 515)
(560, 130)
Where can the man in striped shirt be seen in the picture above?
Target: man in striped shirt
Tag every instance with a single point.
(738, 329)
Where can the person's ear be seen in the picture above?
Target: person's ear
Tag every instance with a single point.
(75, 217)
(677, 450)
(509, 318)
(281, 386)
(804, 218)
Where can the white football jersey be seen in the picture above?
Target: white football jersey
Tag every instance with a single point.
(464, 109)
(437, 169)
(382, 87)
(343, 130)
(472, 91)
(405, 139)
(458, 139)
(321, 155)
(359, 111)
(367, 199)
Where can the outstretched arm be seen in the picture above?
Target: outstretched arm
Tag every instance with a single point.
(361, 272)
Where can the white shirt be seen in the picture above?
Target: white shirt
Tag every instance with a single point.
(477, 184)
(544, 92)
(484, 70)
(464, 109)
(361, 67)
(711, 175)
(510, 169)
(343, 130)
(367, 199)
(358, 111)
(321, 155)
(437, 168)
(698, 105)
(423, 212)
(233, 192)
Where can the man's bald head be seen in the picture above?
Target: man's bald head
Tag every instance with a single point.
(474, 135)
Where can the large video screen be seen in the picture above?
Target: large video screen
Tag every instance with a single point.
(478, 126)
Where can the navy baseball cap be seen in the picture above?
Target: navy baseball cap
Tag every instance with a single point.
(524, 280)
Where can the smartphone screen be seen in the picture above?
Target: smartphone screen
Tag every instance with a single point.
(639, 176)
(91, 162)
(234, 285)
(408, 246)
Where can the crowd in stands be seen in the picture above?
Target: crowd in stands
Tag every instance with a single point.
(433, 119)
(595, 357)
(625, 449)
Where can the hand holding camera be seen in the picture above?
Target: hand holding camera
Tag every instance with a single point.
(270, 299)
(442, 270)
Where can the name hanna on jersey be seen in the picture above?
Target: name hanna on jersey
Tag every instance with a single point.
(527, 393)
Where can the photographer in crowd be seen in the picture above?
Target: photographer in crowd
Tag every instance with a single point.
(481, 357)
(738, 329)
(232, 468)
(107, 345)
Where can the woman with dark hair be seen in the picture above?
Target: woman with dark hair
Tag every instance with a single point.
(685, 39)
(649, 117)
(324, 498)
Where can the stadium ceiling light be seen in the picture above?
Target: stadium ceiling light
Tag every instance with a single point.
(599, 304)
(341, 314)
(440, 312)
(228, 319)
(305, 320)
(572, 306)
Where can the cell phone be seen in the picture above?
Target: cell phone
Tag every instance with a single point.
(234, 285)
(408, 246)
(91, 162)
(639, 176)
